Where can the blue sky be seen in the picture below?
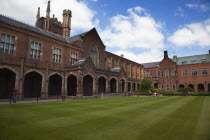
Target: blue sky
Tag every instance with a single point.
(139, 29)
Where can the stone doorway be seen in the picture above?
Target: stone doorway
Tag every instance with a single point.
(55, 85)
(72, 85)
(87, 85)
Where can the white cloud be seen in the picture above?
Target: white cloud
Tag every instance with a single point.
(147, 56)
(201, 7)
(136, 30)
(195, 34)
(83, 18)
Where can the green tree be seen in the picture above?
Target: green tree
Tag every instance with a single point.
(146, 84)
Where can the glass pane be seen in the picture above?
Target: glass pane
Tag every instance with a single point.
(12, 40)
(6, 48)
(2, 47)
(3, 37)
(34, 53)
(8, 39)
(32, 45)
(36, 45)
(11, 48)
(39, 46)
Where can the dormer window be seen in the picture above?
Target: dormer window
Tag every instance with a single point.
(184, 62)
(203, 60)
(193, 61)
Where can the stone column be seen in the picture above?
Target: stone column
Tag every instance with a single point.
(95, 86)
(20, 96)
(107, 86)
(64, 85)
(79, 87)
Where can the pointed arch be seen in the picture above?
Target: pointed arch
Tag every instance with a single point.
(7, 82)
(55, 85)
(72, 85)
(32, 84)
(87, 85)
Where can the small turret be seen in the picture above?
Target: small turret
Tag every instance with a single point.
(48, 10)
(66, 25)
(38, 13)
(165, 54)
(175, 56)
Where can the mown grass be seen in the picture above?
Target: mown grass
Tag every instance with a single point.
(134, 118)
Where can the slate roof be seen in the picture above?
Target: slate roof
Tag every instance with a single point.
(79, 62)
(31, 28)
(76, 37)
(116, 70)
(151, 64)
(25, 26)
(197, 59)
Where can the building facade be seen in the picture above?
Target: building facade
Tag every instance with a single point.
(180, 72)
(44, 61)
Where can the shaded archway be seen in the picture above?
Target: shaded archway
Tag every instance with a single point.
(156, 85)
(55, 85)
(129, 86)
(191, 86)
(87, 85)
(208, 87)
(32, 85)
(181, 86)
(7, 82)
(72, 85)
(101, 84)
(200, 87)
(113, 85)
(134, 86)
(122, 81)
(138, 86)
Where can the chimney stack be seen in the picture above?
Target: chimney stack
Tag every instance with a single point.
(122, 55)
(165, 54)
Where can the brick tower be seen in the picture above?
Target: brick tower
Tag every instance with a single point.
(66, 25)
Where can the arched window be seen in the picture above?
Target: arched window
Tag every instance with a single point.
(94, 54)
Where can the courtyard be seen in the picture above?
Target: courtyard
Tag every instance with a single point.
(126, 118)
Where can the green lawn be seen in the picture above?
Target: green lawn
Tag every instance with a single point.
(140, 118)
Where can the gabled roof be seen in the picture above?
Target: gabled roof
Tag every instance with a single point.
(151, 64)
(196, 58)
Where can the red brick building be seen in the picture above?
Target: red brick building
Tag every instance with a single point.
(45, 61)
(173, 73)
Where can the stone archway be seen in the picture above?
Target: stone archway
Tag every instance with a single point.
(134, 86)
(208, 87)
(113, 85)
(156, 85)
(72, 85)
(87, 85)
(191, 86)
(181, 86)
(32, 85)
(138, 86)
(200, 87)
(7, 82)
(122, 81)
(129, 86)
(55, 85)
(101, 84)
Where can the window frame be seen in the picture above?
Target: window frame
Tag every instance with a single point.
(74, 59)
(194, 71)
(35, 50)
(202, 72)
(9, 43)
(183, 73)
(58, 57)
